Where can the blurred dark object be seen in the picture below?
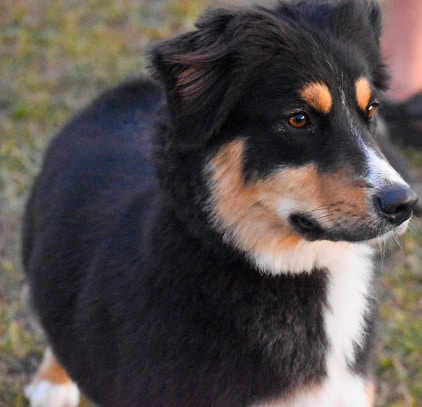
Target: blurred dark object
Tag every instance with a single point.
(404, 120)
(401, 124)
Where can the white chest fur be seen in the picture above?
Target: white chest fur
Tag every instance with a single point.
(350, 278)
(349, 288)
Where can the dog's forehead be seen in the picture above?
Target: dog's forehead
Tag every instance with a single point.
(324, 68)
(321, 71)
(332, 76)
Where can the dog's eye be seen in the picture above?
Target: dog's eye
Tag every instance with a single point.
(370, 111)
(298, 120)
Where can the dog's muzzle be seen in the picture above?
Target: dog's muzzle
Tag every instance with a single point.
(392, 205)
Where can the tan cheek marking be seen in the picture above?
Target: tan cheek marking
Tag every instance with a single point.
(331, 198)
(345, 200)
(249, 213)
(318, 96)
(51, 370)
(243, 211)
(363, 93)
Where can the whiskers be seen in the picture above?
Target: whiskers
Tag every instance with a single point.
(395, 237)
(412, 227)
(323, 214)
(337, 214)
(381, 246)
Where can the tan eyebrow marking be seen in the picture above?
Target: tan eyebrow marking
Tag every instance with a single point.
(318, 96)
(363, 92)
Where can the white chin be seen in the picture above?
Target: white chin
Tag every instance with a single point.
(399, 230)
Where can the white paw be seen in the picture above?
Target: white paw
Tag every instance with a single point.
(48, 394)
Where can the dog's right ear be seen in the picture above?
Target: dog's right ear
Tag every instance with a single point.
(195, 70)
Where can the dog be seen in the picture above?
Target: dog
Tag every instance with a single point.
(203, 238)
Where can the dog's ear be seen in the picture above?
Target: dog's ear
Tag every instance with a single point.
(357, 17)
(375, 17)
(195, 70)
(360, 22)
(371, 47)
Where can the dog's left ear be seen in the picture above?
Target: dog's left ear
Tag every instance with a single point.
(352, 19)
(371, 48)
(375, 17)
(360, 22)
(195, 69)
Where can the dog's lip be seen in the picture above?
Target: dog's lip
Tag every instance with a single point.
(306, 226)
(311, 230)
(395, 231)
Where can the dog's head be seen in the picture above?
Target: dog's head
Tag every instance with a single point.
(282, 106)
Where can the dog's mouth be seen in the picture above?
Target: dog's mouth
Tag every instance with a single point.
(390, 212)
(306, 226)
(365, 230)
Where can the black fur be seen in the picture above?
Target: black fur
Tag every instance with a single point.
(141, 299)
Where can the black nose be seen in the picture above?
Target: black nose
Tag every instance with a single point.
(396, 203)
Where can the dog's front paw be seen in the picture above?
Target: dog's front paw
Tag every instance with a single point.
(48, 394)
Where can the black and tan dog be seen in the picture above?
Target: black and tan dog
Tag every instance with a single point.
(205, 240)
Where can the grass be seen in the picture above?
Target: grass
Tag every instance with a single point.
(57, 55)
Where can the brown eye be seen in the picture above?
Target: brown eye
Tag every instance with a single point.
(371, 110)
(298, 121)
